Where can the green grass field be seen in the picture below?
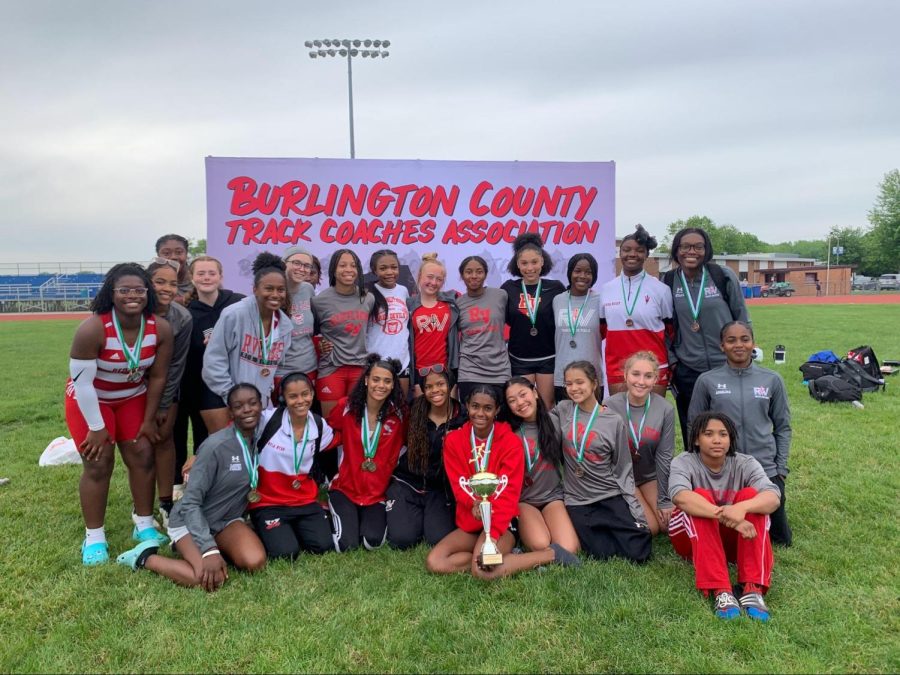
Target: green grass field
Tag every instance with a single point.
(834, 598)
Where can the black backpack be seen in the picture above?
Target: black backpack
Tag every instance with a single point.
(274, 424)
(865, 356)
(813, 370)
(855, 373)
(833, 389)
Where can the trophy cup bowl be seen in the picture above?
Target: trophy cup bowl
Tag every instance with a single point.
(484, 484)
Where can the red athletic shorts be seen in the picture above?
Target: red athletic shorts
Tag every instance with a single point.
(338, 385)
(123, 419)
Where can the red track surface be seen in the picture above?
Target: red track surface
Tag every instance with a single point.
(874, 299)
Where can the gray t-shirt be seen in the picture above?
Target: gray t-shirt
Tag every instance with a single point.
(342, 320)
(483, 356)
(739, 471)
(653, 460)
(607, 461)
(217, 492)
(587, 334)
(543, 484)
(301, 355)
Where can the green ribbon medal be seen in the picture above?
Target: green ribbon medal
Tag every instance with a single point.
(132, 355)
(265, 344)
(369, 442)
(531, 305)
(299, 462)
(634, 437)
(252, 462)
(629, 310)
(580, 443)
(573, 322)
(695, 308)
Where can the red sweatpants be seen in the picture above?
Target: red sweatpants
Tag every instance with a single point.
(711, 546)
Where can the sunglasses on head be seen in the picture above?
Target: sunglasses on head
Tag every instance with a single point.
(436, 368)
(174, 264)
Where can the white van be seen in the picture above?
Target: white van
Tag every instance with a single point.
(889, 282)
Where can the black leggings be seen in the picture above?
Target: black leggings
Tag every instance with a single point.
(188, 413)
(684, 381)
(413, 516)
(285, 531)
(607, 529)
(356, 525)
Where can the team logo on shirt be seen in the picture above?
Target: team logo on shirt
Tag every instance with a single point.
(235, 466)
(430, 323)
(646, 299)
(761, 392)
(722, 388)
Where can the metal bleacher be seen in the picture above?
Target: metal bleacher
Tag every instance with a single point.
(49, 287)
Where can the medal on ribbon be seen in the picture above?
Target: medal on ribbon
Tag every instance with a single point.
(133, 354)
(530, 460)
(630, 310)
(531, 305)
(634, 436)
(573, 322)
(298, 463)
(252, 463)
(369, 442)
(265, 344)
(695, 308)
(580, 443)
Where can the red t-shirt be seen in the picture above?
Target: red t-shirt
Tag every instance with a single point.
(430, 327)
(506, 459)
(365, 488)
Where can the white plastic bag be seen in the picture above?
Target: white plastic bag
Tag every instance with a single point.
(61, 450)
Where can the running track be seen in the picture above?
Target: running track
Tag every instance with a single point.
(882, 299)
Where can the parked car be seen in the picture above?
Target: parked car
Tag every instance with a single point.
(889, 282)
(779, 288)
(864, 283)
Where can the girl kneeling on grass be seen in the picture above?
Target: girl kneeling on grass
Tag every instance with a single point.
(370, 426)
(543, 520)
(599, 480)
(207, 525)
(483, 444)
(722, 506)
(650, 424)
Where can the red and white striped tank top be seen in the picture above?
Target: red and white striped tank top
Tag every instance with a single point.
(111, 381)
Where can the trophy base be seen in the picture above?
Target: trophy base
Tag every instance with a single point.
(490, 559)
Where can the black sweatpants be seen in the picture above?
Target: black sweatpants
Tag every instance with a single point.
(779, 529)
(684, 381)
(188, 412)
(285, 531)
(413, 516)
(607, 529)
(356, 525)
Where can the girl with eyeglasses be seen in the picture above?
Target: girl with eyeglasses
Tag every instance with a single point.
(419, 498)
(252, 336)
(300, 356)
(165, 282)
(636, 312)
(118, 365)
(433, 322)
(706, 296)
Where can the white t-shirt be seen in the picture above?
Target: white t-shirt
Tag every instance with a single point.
(389, 336)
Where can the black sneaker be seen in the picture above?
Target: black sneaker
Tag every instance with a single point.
(565, 558)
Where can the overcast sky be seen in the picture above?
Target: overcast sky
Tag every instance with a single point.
(780, 118)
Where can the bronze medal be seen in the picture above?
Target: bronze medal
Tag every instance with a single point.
(695, 326)
(579, 471)
(265, 372)
(134, 375)
(368, 465)
(253, 496)
(533, 331)
(296, 484)
(573, 344)
(629, 322)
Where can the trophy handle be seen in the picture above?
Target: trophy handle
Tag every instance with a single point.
(502, 482)
(464, 484)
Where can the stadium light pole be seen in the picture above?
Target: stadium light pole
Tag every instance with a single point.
(348, 49)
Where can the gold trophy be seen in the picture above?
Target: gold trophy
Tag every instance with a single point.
(483, 485)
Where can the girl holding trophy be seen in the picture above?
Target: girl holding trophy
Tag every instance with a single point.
(485, 465)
